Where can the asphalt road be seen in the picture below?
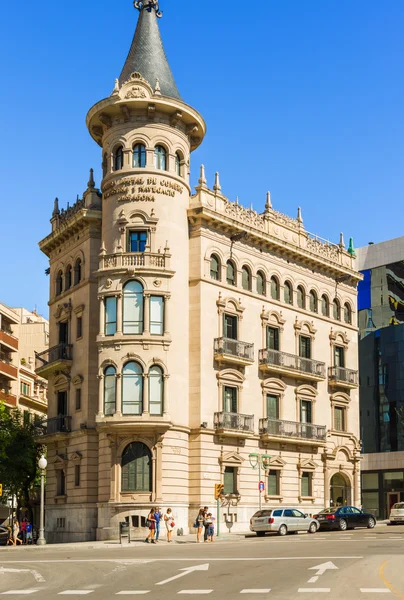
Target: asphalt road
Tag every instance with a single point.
(353, 565)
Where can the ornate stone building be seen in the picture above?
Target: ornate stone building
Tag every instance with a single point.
(187, 332)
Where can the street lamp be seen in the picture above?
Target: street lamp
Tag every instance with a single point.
(42, 464)
(260, 461)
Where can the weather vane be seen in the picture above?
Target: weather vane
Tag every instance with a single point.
(148, 5)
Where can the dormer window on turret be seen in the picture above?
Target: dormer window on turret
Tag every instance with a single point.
(118, 159)
(160, 158)
(139, 156)
(137, 241)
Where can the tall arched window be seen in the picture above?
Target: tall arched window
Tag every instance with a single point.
(246, 278)
(68, 277)
(156, 390)
(139, 156)
(118, 159)
(325, 306)
(133, 308)
(77, 271)
(336, 310)
(160, 158)
(274, 288)
(109, 391)
(261, 283)
(347, 313)
(59, 283)
(136, 468)
(178, 163)
(288, 293)
(313, 301)
(214, 267)
(301, 297)
(230, 273)
(132, 389)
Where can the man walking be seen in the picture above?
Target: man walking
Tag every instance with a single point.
(158, 517)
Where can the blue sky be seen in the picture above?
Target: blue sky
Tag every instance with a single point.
(302, 98)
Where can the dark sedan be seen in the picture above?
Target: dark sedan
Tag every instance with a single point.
(344, 517)
(4, 535)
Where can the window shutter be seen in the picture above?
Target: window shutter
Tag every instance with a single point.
(229, 480)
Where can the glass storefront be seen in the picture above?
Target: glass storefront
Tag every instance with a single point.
(380, 490)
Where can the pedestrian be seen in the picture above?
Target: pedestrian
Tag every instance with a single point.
(199, 523)
(170, 524)
(205, 533)
(23, 528)
(158, 516)
(211, 528)
(29, 533)
(151, 524)
(16, 531)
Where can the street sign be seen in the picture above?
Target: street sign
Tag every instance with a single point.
(261, 486)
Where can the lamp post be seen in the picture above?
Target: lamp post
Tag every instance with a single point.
(42, 464)
(260, 461)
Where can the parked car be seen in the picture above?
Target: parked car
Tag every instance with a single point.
(282, 521)
(397, 513)
(344, 517)
(4, 535)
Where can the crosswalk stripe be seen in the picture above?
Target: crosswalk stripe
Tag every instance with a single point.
(255, 591)
(195, 592)
(16, 592)
(314, 590)
(375, 591)
(75, 592)
(133, 593)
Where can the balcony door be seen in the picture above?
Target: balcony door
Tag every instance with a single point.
(64, 332)
(339, 356)
(272, 406)
(230, 399)
(305, 411)
(62, 404)
(272, 338)
(230, 327)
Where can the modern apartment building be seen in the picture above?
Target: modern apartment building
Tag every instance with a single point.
(188, 333)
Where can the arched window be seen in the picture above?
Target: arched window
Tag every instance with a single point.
(139, 156)
(336, 310)
(246, 278)
(178, 163)
(105, 164)
(109, 391)
(133, 308)
(160, 158)
(301, 297)
(77, 271)
(274, 288)
(59, 283)
(132, 389)
(261, 283)
(136, 468)
(156, 390)
(118, 159)
(347, 314)
(288, 293)
(313, 301)
(214, 267)
(325, 306)
(68, 277)
(230, 273)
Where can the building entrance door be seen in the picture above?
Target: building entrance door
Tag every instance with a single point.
(340, 490)
(392, 498)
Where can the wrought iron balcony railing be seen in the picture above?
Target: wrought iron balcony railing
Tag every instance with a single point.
(234, 348)
(61, 424)
(233, 421)
(292, 429)
(342, 375)
(54, 354)
(292, 362)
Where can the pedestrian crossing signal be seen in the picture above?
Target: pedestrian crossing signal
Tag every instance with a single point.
(219, 487)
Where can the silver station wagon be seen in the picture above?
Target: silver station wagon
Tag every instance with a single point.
(282, 521)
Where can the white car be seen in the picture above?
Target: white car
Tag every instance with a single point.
(282, 521)
(397, 513)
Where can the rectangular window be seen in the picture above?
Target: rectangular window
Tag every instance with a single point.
(272, 338)
(25, 388)
(137, 241)
(60, 483)
(304, 346)
(77, 475)
(230, 480)
(339, 356)
(79, 327)
(306, 485)
(78, 399)
(110, 315)
(273, 483)
(305, 411)
(230, 327)
(230, 399)
(156, 315)
(62, 404)
(339, 418)
(370, 481)
(27, 418)
(272, 406)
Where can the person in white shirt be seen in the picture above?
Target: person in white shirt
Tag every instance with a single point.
(170, 524)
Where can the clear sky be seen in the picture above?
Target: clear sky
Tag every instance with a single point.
(301, 97)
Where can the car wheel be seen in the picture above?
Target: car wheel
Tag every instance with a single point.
(313, 528)
(260, 533)
(282, 530)
(343, 525)
(371, 523)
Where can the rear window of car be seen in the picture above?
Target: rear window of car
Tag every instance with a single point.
(262, 513)
(328, 510)
(399, 505)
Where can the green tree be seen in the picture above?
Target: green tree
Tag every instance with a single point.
(19, 455)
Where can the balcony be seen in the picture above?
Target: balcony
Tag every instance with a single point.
(341, 377)
(8, 399)
(8, 340)
(7, 369)
(292, 432)
(62, 424)
(55, 359)
(144, 261)
(233, 424)
(289, 364)
(233, 351)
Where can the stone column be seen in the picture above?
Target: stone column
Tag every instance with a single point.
(158, 469)
(112, 491)
(356, 483)
(119, 314)
(100, 395)
(102, 316)
(166, 400)
(146, 408)
(326, 484)
(118, 409)
(146, 315)
(166, 316)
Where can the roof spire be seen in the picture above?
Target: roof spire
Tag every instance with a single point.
(56, 210)
(91, 182)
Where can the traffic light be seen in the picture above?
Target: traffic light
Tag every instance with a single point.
(218, 490)
(1, 489)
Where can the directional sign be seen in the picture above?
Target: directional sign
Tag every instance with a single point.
(261, 486)
(185, 572)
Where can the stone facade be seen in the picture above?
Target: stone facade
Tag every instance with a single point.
(207, 335)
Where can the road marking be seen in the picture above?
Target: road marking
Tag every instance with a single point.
(186, 571)
(321, 569)
(200, 559)
(75, 593)
(255, 591)
(375, 591)
(314, 590)
(313, 579)
(195, 592)
(15, 592)
(38, 577)
(387, 583)
(134, 593)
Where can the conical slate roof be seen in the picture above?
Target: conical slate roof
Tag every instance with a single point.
(147, 56)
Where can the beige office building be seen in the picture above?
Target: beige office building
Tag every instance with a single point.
(188, 332)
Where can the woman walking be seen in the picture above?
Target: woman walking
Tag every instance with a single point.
(199, 523)
(151, 524)
(169, 521)
(16, 531)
